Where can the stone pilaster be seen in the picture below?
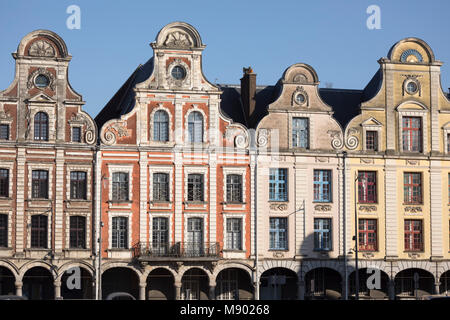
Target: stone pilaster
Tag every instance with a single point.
(59, 201)
(20, 211)
(436, 201)
(143, 176)
(390, 112)
(300, 208)
(178, 195)
(212, 197)
(435, 86)
(390, 188)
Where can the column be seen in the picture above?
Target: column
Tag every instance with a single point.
(437, 285)
(391, 290)
(212, 291)
(57, 285)
(18, 285)
(301, 290)
(177, 286)
(142, 287)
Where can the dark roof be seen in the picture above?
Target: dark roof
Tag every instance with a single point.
(345, 103)
(124, 99)
(231, 103)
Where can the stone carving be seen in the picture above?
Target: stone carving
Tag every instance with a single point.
(240, 141)
(28, 121)
(43, 71)
(352, 141)
(322, 159)
(336, 141)
(413, 255)
(278, 254)
(178, 39)
(41, 48)
(4, 116)
(117, 129)
(80, 119)
(413, 162)
(322, 207)
(263, 137)
(413, 209)
(278, 206)
(367, 208)
(302, 91)
(300, 78)
(368, 255)
(368, 161)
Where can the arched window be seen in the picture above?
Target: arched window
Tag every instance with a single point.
(41, 126)
(161, 126)
(195, 127)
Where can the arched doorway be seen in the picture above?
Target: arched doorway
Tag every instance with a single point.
(120, 279)
(233, 284)
(76, 283)
(278, 284)
(160, 285)
(323, 284)
(444, 288)
(413, 283)
(194, 285)
(38, 284)
(373, 284)
(7, 280)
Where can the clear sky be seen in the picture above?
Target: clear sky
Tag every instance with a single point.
(330, 35)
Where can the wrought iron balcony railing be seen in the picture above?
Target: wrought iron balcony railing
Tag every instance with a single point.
(177, 250)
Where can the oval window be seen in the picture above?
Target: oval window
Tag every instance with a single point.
(178, 73)
(41, 81)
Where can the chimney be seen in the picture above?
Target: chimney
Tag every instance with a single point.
(248, 93)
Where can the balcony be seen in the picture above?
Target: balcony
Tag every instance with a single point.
(178, 251)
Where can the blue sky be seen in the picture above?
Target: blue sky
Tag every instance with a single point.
(330, 35)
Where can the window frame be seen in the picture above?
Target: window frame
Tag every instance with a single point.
(120, 228)
(160, 187)
(372, 143)
(409, 236)
(73, 135)
(79, 231)
(4, 230)
(277, 231)
(408, 189)
(41, 231)
(408, 132)
(321, 184)
(196, 125)
(319, 233)
(4, 183)
(40, 185)
(234, 237)
(159, 126)
(8, 131)
(195, 187)
(365, 186)
(234, 187)
(41, 126)
(278, 188)
(298, 135)
(120, 190)
(78, 187)
(365, 232)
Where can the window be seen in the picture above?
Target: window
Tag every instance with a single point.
(4, 183)
(367, 235)
(367, 187)
(278, 185)
(120, 232)
(322, 234)
(372, 140)
(39, 184)
(77, 232)
(234, 188)
(161, 187)
(41, 81)
(41, 126)
(195, 187)
(178, 73)
(448, 142)
(161, 126)
(449, 188)
(234, 234)
(412, 134)
(39, 231)
(76, 134)
(4, 131)
(300, 132)
(228, 285)
(78, 185)
(3, 230)
(322, 185)
(160, 235)
(120, 186)
(412, 187)
(413, 235)
(194, 245)
(278, 234)
(195, 127)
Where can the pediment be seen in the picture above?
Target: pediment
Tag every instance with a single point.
(41, 98)
(371, 122)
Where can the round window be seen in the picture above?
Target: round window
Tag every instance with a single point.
(411, 87)
(300, 98)
(178, 73)
(41, 81)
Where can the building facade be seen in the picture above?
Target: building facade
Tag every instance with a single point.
(185, 189)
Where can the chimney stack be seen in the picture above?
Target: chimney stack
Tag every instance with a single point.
(248, 93)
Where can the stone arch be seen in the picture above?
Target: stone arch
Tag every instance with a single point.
(146, 273)
(50, 38)
(43, 264)
(11, 267)
(61, 270)
(182, 271)
(309, 74)
(278, 283)
(411, 264)
(183, 34)
(286, 264)
(237, 265)
(442, 268)
(330, 264)
(412, 43)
